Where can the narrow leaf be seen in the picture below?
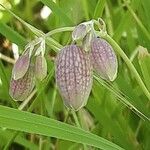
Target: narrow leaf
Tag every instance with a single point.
(32, 123)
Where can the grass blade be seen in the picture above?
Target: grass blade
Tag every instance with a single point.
(32, 123)
(58, 11)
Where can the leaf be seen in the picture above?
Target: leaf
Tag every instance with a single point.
(32, 123)
(12, 35)
(99, 9)
(6, 135)
(58, 11)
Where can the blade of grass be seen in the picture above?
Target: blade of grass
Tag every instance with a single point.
(122, 98)
(128, 62)
(140, 24)
(58, 11)
(99, 9)
(12, 35)
(32, 123)
(5, 83)
(85, 7)
(51, 42)
(19, 140)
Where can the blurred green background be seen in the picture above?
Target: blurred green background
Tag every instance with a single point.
(128, 23)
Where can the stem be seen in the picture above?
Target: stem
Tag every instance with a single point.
(76, 119)
(11, 139)
(25, 102)
(53, 101)
(7, 59)
(64, 29)
(129, 64)
(78, 124)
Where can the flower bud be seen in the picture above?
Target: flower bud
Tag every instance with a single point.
(79, 32)
(104, 59)
(40, 67)
(74, 76)
(21, 66)
(21, 88)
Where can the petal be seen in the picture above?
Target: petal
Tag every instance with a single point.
(79, 32)
(40, 67)
(21, 88)
(104, 59)
(21, 66)
(74, 76)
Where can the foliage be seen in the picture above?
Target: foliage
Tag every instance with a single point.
(117, 113)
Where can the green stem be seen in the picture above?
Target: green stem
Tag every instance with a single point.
(78, 124)
(76, 119)
(129, 64)
(53, 101)
(26, 101)
(11, 139)
(64, 29)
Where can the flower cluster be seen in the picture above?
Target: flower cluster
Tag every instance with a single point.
(31, 65)
(75, 64)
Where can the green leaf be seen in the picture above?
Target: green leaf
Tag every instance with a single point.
(5, 134)
(58, 11)
(12, 35)
(99, 9)
(32, 123)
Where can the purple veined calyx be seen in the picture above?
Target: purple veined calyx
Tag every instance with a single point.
(21, 66)
(104, 59)
(30, 64)
(21, 88)
(74, 76)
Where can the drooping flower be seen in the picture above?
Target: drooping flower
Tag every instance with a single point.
(21, 88)
(104, 59)
(74, 76)
(30, 64)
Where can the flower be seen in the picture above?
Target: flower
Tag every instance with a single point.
(74, 65)
(74, 76)
(21, 88)
(29, 65)
(104, 59)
